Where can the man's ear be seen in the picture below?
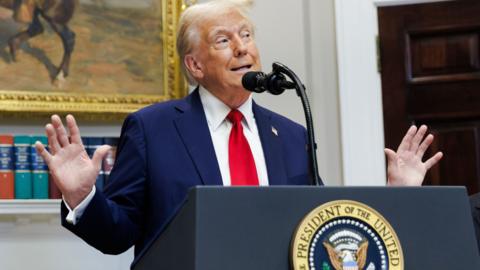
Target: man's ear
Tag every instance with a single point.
(193, 66)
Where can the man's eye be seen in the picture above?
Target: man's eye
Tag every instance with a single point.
(246, 35)
(222, 40)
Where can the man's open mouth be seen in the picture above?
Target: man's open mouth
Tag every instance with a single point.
(245, 67)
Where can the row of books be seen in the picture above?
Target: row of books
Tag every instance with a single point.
(24, 174)
(91, 144)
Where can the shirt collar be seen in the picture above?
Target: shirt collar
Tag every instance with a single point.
(216, 111)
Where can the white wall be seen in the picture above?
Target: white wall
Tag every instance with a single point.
(360, 93)
(300, 34)
(323, 80)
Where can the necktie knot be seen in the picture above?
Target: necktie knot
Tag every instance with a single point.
(235, 116)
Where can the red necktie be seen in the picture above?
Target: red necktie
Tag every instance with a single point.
(242, 165)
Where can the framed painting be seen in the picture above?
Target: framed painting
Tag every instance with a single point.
(96, 59)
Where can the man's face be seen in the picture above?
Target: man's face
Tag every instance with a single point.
(225, 52)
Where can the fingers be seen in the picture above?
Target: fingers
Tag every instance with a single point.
(100, 154)
(407, 139)
(52, 139)
(433, 160)
(417, 139)
(58, 136)
(43, 152)
(73, 129)
(62, 135)
(424, 146)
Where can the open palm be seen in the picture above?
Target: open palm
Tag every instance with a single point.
(405, 167)
(72, 169)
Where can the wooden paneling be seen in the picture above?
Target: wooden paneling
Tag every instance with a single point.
(432, 54)
(459, 142)
(430, 62)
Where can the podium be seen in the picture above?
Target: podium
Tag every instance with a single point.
(252, 227)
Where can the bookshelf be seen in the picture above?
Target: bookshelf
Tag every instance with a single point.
(30, 207)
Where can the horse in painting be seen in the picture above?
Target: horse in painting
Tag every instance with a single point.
(57, 13)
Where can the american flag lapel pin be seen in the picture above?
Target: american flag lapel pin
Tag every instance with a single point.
(274, 131)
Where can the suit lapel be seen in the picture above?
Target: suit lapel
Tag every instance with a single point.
(193, 129)
(271, 144)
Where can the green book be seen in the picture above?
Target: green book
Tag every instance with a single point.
(39, 170)
(23, 174)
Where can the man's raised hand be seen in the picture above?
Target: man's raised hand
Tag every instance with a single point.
(405, 167)
(70, 166)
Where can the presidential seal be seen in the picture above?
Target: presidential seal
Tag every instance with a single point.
(345, 235)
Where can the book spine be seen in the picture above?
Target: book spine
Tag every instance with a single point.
(6, 167)
(23, 175)
(39, 170)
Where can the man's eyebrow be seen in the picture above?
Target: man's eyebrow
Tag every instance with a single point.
(216, 30)
(246, 25)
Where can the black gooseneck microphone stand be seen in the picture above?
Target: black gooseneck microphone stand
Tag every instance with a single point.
(300, 89)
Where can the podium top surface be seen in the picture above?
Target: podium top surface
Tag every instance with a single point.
(253, 227)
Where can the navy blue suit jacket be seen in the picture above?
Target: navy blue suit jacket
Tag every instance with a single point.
(475, 207)
(164, 150)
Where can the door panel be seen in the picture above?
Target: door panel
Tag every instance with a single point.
(430, 62)
(459, 142)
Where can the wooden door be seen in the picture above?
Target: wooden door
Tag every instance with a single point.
(430, 65)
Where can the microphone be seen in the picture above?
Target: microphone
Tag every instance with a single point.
(259, 82)
(275, 82)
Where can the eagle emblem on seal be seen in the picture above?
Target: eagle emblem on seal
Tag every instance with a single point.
(347, 250)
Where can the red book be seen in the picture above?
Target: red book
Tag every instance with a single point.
(7, 188)
(54, 192)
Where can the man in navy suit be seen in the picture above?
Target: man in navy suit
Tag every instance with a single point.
(167, 148)
(475, 207)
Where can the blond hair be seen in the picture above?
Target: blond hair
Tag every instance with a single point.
(190, 20)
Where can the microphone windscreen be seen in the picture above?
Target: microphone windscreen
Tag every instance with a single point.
(252, 81)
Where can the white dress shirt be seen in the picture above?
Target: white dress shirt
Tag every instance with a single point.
(216, 112)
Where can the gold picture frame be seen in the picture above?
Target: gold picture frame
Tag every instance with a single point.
(99, 106)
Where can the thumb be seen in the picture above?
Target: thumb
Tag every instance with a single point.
(100, 154)
(391, 155)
